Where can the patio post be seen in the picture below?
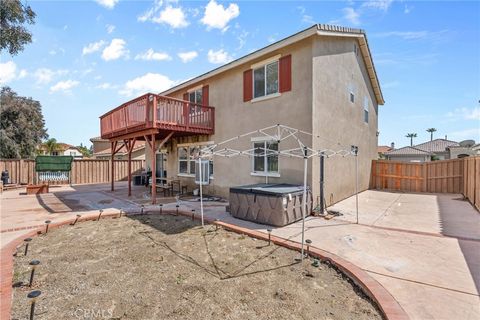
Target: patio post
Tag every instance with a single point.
(113, 146)
(130, 144)
(154, 171)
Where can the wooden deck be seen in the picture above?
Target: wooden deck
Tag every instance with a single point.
(159, 115)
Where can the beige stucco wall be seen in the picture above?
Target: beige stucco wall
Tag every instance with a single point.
(322, 69)
(338, 123)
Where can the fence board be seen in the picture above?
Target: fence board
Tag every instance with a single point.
(84, 171)
(446, 176)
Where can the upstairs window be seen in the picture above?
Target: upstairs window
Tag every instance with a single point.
(195, 96)
(365, 110)
(265, 80)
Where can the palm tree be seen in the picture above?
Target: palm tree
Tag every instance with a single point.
(51, 145)
(411, 136)
(431, 130)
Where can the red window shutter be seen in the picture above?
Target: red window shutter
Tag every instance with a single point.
(247, 85)
(185, 96)
(285, 73)
(205, 95)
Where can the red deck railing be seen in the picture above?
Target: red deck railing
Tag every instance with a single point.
(152, 111)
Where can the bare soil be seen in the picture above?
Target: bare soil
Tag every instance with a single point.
(168, 267)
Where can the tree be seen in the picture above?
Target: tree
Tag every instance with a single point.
(411, 136)
(13, 35)
(22, 126)
(431, 131)
(51, 145)
(84, 150)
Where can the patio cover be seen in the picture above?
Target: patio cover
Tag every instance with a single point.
(53, 163)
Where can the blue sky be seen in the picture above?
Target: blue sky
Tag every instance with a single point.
(87, 57)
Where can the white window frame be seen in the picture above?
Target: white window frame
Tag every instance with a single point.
(264, 65)
(189, 161)
(366, 107)
(265, 173)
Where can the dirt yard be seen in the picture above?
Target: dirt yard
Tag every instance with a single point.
(168, 267)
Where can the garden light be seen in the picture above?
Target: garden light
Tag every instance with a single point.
(193, 214)
(308, 242)
(33, 295)
(100, 214)
(27, 242)
(34, 264)
(46, 227)
(269, 235)
(76, 219)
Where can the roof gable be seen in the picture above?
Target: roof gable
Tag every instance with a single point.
(437, 145)
(406, 151)
(317, 29)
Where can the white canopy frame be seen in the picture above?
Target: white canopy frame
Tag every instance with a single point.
(278, 133)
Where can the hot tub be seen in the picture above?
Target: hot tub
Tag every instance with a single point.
(272, 204)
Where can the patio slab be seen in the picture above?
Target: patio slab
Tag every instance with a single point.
(423, 248)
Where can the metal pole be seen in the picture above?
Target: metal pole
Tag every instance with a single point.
(355, 152)
(305, 161)
(201, 190)
(322, 183)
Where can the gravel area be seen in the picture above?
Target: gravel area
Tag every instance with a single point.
(169, 267)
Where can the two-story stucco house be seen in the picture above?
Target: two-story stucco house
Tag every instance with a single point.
(321, 80)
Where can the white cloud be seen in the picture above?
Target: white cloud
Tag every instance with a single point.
(7, 71)
(109, 4)
(407, 9)
(174, 17)
(242, 39)
(219, 56)
(378, 4)
(150, 82)
(464, 114)
(351, 15)
(115, 50)
(152, 55)
(22, 74)
(473, 133)
(93, 47)
(148, 15)
(217, 16)
(187, 56)
(110, 28)
(64, 86)
(105, 86)
(44, 75)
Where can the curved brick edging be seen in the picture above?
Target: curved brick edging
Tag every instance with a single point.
(390, 308)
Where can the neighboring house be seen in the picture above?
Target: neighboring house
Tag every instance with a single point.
(438, 149)
(382, 149)
(102, 150)
(409, 154)
(63, 149)
(321, 80)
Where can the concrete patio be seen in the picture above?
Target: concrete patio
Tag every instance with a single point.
(423, 248)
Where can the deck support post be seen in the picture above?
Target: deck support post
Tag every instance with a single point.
(130, 144)
(113, 146)
(154, 171)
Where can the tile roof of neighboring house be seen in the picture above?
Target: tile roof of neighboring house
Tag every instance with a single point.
(406, 151)
(437, 145)
(317, 29)
(383, 149)
(61, 147)
(94, 139)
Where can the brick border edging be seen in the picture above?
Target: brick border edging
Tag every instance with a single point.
(387, 304)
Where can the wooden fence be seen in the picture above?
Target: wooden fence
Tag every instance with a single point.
(22, 171)
(446, 176)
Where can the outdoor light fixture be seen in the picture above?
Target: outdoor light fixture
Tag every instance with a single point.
(27, 242)
(216, 224)
(100, 214)
(76, 219)
(141, 209)
(33, 295)
(308, 242)
(161, 208)
(120, 213)
(269, 235)
(177, 209)
(34, 264)
(193, 214)
(46, 227)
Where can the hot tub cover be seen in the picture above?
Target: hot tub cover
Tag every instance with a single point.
(271, 189)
